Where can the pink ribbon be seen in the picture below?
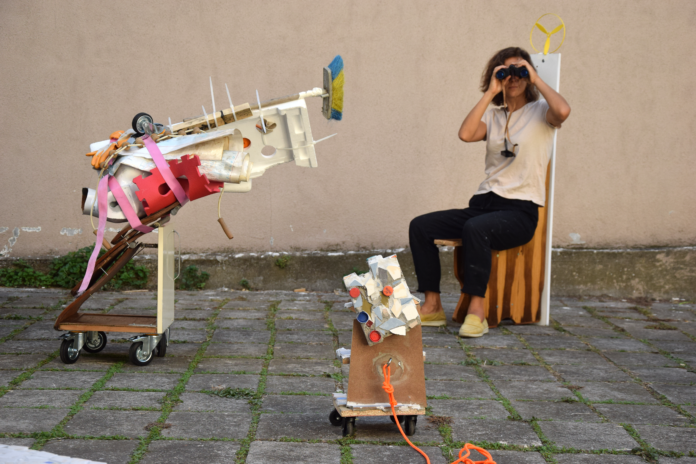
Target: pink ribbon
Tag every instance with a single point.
(164, 170)
(108, 182)
(102, 192)
(126, 207)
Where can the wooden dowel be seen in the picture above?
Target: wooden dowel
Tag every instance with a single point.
(105, 243)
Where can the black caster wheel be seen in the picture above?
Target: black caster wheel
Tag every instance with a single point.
(335, 418)
(139, 120)
(348, 426)
(136, 355)
(68, 354)
(162, 346)
(410, 425)
(401, 419)
(96, 345)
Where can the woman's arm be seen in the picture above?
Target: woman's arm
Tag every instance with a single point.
(559, 109)
(473, 129)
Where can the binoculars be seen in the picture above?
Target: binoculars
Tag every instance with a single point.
(512, 70)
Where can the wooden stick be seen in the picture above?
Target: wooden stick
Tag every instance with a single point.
(106, 244)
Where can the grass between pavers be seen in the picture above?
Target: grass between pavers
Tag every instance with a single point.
(31, 320)
(559, 377)
(172, 398)
(449, 448)
(514, 415)
(667, 354)
(338, 376)
(257, 400)
(28, 373)
(17, 381)
(58, 430)
(661, 323)
(655, 394)
(346, 453)
(648, 452)
(644, 450)
(113, 305)
(548, 447)
(9, 300)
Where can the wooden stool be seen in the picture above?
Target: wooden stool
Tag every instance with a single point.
(517, 277)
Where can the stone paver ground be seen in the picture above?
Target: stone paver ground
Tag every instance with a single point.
(607, 382)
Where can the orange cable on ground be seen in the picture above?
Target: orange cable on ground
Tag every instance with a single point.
(387, 386)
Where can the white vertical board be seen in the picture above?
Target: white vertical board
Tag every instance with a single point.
(549, 69)
(165, 278)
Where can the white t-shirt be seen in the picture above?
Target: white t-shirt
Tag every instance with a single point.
(522, 177)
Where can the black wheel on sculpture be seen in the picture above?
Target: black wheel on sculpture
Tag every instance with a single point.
(348, 426)
(335, 418)
(410, 425)
(137, 356)
(142, 118)
(401, 419)
(67, 354)
(162, 346)
(96, 345)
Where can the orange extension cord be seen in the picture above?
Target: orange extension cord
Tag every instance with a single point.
(387, 386)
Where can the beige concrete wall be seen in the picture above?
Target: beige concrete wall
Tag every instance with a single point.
(74, 71)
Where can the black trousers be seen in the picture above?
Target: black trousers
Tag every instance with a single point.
(491, 222)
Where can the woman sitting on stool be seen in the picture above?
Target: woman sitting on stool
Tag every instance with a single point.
(503, 213)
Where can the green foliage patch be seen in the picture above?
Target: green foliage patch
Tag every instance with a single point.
(66, 271)
(21, 274)
(356, 270)
(282, 262)
(192, 279)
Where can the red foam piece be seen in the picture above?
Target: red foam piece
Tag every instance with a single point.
(196, 184)
(155, 194)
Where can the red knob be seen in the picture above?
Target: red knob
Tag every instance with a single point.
(388, 290)
(375, 336)
(354, 292)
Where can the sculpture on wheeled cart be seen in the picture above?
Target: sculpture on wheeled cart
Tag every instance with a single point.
(147, 173)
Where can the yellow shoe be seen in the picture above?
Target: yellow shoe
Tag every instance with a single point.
(437, 319)
(473, 327)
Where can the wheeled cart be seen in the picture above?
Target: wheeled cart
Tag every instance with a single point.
(366, 397)
(151, 333)
(345, 417)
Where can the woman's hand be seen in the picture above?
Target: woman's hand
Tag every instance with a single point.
(496, 85)
(533, 76)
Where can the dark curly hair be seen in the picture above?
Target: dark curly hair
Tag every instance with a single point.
(531, 93)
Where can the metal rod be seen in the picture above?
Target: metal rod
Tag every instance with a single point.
(231, 105)
(212, 96)
(205, 115)
(263, 124)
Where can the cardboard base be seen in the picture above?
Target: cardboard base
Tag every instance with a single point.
(407, 372)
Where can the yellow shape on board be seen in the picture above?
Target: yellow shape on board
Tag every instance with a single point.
(547, 44)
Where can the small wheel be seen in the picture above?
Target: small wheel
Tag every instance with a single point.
(134, 124)
(136, 355)
(410, 425)
(348, 426)
(68, 354)
(162, 346)
(95, 345)
(335, 418)
(401, 419)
